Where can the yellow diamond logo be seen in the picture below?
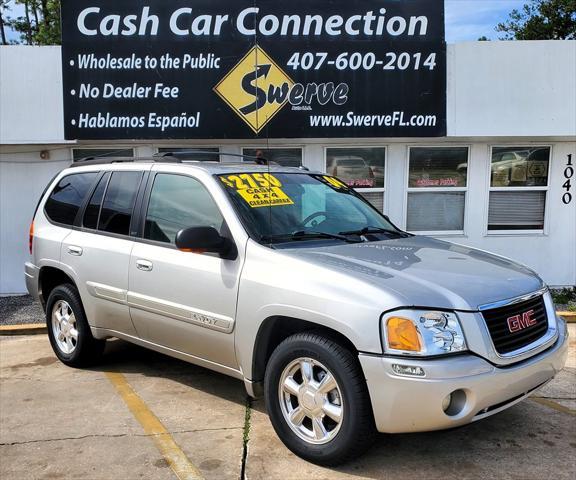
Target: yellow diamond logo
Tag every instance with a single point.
(256, 88)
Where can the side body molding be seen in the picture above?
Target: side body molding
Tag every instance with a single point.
(176, 311)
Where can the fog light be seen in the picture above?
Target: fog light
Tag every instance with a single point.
(454, 403)
(408, 370)
(446, 402)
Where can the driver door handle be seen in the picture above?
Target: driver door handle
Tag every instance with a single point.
(144, 265)
(74, 250)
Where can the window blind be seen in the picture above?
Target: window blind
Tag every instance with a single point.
(375, 198)
(435, 212)
(516, 210)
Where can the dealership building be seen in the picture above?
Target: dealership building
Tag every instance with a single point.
(501, 179)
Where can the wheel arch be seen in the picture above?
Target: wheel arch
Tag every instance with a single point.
(48, 279)
(275, 329)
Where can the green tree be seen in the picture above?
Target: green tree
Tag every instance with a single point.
(39, 25)
(541, 20)
(49, 29)
(4, 9)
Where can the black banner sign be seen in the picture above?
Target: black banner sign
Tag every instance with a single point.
(163, 69)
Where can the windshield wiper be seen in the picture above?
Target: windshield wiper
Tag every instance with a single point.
(367, 230)
(307, 235)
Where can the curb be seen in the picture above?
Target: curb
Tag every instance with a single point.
(27, 329)
(570, 317)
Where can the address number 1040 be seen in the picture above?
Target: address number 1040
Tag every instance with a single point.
(568, 175)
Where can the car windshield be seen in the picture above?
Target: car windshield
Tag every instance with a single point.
(290, 207)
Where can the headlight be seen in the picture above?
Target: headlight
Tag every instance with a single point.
(422, 333)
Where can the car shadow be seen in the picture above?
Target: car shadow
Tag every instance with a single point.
(127, 358)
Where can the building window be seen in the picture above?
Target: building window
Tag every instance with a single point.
(518, 188)
(287, 157)
(361, 168)
(83, 153)
(202, 154)
(437, 183)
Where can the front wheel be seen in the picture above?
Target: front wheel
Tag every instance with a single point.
(317, 399)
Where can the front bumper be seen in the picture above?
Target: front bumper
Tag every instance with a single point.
(414, 404)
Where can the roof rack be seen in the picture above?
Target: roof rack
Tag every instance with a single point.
(105, 161)
(186, 153)
(167, 157)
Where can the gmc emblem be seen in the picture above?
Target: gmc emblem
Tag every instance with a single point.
(520, 322)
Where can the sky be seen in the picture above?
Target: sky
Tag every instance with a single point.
(466, 20)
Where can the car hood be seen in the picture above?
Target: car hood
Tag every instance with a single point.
(425, 272)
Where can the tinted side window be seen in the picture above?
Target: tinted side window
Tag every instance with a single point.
(118, 203)
(67, 197)
(178, 202)
(92, 211)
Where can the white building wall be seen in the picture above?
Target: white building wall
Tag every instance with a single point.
(31, 105)
(507, 89)
(552, 253)
(22, 181)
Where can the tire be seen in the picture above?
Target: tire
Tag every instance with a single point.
(68, 329)
(335, 421)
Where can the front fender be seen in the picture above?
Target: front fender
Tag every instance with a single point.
(365, 339)
(273, 285)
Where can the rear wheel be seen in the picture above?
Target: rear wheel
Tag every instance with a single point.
(68, 329)
(317, 399)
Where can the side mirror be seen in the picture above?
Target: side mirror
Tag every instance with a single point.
(205, 240)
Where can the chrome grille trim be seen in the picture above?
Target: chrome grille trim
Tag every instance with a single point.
(528, 351)
(505, 340)
(511, 301)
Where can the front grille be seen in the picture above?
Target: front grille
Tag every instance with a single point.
(505, 340)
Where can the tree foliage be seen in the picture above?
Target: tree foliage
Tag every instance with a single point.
(38, 25)
(541, 20)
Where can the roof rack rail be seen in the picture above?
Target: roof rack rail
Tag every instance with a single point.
(186, 153)
(100, 161)
(166, 157)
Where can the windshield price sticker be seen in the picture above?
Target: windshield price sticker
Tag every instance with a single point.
(258, 189)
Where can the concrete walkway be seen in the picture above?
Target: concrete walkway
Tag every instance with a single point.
(61, 423)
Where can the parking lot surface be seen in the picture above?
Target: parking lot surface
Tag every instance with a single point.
(143, 415)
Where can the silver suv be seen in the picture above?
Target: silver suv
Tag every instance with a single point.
(293, 283)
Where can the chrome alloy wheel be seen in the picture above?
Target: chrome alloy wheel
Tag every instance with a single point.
(311, 400)
(64, 327)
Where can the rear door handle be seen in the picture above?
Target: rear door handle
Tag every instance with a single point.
(144, 265)
(74, 250)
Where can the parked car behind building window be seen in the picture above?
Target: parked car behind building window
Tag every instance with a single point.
(437, 184)
(361, 169)
(518, 188)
